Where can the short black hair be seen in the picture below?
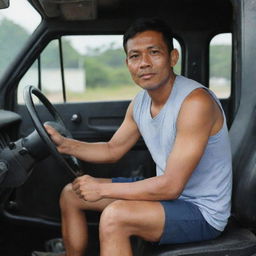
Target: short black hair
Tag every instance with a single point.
(144, 24)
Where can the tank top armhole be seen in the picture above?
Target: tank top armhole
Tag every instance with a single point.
(215, 98)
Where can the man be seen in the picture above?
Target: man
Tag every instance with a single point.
(184, 128)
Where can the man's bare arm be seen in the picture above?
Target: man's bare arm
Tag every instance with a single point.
(199, 118)
(102, 152)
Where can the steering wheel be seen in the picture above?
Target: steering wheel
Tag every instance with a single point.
(69, 163)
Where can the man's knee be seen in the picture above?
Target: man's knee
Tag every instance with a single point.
(66, 196)
(114, 218)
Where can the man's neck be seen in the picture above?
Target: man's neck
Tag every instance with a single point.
(160, 95)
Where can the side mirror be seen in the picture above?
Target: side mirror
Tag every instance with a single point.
(4, 4)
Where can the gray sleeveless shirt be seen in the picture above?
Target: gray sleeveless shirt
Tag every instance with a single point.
(210, 185)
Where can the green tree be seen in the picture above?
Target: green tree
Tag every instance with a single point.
(220, 61)
(96, 73)
(113, 57)
(51, 59)
(120, 76)
(12, 38)
(106, 67)
(50, 55)
(72, 58)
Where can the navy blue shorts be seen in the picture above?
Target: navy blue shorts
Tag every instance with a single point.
(184, 222)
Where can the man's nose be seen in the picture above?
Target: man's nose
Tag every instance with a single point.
(145, 61)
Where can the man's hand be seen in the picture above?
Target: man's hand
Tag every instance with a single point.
(56, 137)
(87, 188)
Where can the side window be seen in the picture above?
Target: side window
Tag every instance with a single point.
(15, 30)
(83, 68)
(177, 68)
(101, 60)
(45, 74)
(220, 65)
(51, 77)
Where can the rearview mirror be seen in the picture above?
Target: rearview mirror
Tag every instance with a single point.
(4, 4)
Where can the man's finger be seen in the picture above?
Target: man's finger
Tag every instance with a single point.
(75, 186)
(49, 129)
(75, 181)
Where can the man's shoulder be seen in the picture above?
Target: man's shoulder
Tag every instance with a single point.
(194, 92)
(199, 98)
(188, 81)
(187, 91)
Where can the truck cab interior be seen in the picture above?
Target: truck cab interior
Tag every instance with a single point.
(32, 173)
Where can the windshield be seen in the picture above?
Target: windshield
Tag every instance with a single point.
(16, 25)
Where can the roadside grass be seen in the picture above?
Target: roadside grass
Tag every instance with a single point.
(125, 92)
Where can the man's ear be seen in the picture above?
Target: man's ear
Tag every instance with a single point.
(174, 55)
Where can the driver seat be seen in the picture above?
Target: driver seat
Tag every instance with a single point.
(235, 241)
(238, 238)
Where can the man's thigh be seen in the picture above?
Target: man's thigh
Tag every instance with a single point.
(141, 218)
(144, 218)
(166, 222)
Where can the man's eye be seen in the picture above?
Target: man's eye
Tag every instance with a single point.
(154, 52)
(134, 56)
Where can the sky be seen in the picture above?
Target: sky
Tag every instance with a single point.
(22, 13)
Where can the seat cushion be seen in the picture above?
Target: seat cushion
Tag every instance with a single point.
(233, 241)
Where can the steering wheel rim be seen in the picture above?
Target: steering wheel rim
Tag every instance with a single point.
(29, 91)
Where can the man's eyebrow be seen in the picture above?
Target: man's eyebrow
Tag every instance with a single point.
(149, 47)
(154, 46)
(133, 51)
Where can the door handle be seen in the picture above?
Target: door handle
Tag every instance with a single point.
(110, 129)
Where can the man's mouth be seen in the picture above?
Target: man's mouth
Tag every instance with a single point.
(146, 76)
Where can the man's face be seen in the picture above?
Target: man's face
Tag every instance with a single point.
(149, 60)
